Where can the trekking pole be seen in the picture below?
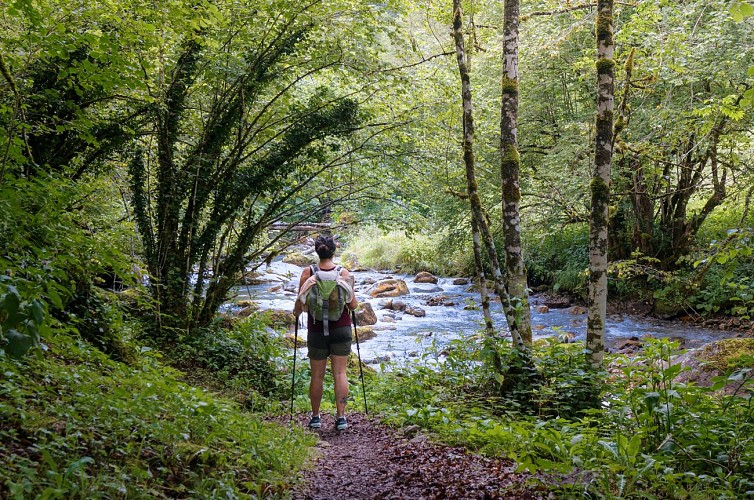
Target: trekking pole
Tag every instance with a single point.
(293, 377)
(361, 370)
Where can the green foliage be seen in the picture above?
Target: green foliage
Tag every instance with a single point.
(642, 432)
(245, 358)
(559, 260)
(55, 252)
(740, 10)
(115, 430)
(722, 276)
(410, 253)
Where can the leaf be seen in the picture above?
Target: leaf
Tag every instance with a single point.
(37, 311)
(741, 10)
(610, 447)
(739, 375)
(634, 446)
(54, 297)
(18, 343)
(671, 371)
(78, 464)
(652, 399)
(11, 302)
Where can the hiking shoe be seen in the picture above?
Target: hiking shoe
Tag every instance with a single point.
(341, 424)
(315, 422)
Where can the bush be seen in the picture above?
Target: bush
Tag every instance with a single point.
(410, 254)
(559, 260)
(79, 425)
(637, 433)
(244, 358)
(53, 250)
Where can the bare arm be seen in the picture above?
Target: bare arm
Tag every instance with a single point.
(298, 308)
(305, 275)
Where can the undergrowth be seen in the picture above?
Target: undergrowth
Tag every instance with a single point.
(634, 431)
(372, 248)
(77, 424)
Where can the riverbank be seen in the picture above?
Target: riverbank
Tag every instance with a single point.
(645, 309)
(432, 315)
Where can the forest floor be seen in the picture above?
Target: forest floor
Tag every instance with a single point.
(369, 460)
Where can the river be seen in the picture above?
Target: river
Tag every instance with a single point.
(408, 336)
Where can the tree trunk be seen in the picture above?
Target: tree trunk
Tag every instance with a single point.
(600, 186)
(477, 212)
(489, 327)
(509, 171)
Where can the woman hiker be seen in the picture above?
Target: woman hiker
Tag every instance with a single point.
(331, 339)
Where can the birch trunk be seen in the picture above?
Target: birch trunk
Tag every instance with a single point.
(477, 213)
(600, 186)
(509, 171)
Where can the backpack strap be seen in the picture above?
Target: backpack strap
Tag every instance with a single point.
(338, 270)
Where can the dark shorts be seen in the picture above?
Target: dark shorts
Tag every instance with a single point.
(338, 343)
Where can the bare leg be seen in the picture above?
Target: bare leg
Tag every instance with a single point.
(338, 365)
(318, 367)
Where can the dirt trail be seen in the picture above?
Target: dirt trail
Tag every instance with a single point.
(369, 460)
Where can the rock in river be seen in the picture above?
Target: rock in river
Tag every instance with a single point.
(365, 314)
(388, 288)
(425, 277)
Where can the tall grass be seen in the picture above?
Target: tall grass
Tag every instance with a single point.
(396, 250)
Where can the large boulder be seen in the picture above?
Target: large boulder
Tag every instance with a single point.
(388, 288)
(713, 360)
(365, 333)
(425, 277)
(299, 259)
(279, 318)
(365, 314)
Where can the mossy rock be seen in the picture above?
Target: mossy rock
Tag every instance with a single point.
(353, 365)
(253, 278)
(713, 360)
(365, 333)
(289, 339)
(666, 310)
(726, 354)
(278, 318)
(299, 259)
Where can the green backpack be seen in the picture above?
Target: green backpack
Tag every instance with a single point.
(326, 300)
